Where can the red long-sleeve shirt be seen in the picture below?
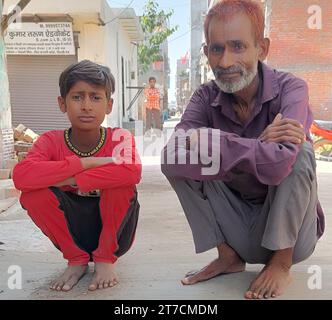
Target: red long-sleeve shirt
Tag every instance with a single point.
(50, 161)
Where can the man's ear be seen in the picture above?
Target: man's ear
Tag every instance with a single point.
(109, 106)
(62, 104)
(264, 47)
(206, 50)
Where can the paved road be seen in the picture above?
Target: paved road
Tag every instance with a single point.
(162, 254)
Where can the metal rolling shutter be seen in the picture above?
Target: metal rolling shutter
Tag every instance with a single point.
(33, 84)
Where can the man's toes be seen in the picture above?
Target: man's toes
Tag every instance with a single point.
(189, 280)
(249, 294)
(106, 284)
(252, 292)
(101, 285)
(275, 293)
(191, 273)
(268, 293)
(262, 293)
(196, 277)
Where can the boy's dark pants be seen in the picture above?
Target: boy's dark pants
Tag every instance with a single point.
(287, 218)
(86, 228)
(153, 117)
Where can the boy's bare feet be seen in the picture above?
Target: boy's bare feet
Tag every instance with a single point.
(274, 278)
(104, 276)
(69, 278)
(227, 262)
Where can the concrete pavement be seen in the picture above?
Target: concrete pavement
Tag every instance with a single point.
(162, 254)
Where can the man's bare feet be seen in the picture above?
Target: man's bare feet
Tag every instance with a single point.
(274, 278)
(69, 278)
(104, 276)
(227, 262)
(271, 282)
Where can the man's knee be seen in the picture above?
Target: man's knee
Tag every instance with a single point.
(305, 162)
(301, 254)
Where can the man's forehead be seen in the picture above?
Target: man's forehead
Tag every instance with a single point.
(235, 27)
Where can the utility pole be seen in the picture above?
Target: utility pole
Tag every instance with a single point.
(6, 131)
(5, 20)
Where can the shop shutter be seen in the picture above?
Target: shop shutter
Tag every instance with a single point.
(34, 88)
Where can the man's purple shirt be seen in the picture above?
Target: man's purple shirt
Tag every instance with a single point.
(247, 165)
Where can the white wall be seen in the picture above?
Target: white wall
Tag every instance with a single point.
(115, 118)
(119, 45)
(198, 8)
(101, 44)
(57, 6)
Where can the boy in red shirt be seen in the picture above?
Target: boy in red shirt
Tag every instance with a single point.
(79, 185)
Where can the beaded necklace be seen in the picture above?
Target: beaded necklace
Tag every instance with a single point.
(89, 153)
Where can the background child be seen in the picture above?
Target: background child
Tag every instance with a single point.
(79, 185)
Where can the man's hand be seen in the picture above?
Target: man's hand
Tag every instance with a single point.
(283, 130)
(192, 141)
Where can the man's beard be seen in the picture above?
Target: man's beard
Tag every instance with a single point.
(232, 86)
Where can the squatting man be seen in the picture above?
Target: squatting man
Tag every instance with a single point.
(261, 205)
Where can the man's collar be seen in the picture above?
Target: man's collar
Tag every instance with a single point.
(269, 85)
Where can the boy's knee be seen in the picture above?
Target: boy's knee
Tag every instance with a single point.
(122, 192)
(35, 198)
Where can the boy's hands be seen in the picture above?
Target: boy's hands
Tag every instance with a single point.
(93, 162)
(283, 130)
(68, 182)
(87, 163)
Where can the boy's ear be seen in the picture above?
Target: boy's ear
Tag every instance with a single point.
(206, 50)
(109, 106)
(62, 104)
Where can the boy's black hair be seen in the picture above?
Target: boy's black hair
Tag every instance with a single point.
(87, 71)
(152, 78)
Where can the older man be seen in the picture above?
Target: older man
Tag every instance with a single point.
(261, 205)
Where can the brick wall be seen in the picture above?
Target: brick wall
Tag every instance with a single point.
(303, 51)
